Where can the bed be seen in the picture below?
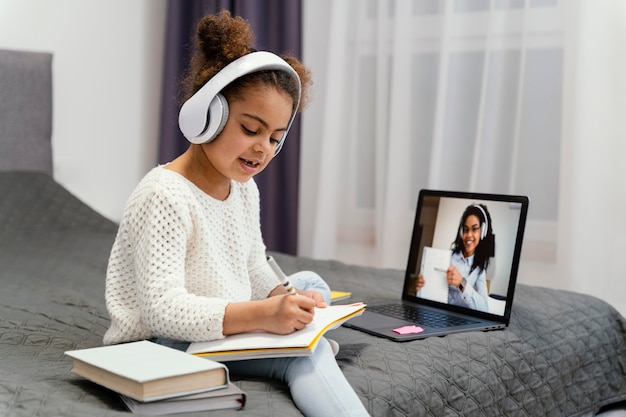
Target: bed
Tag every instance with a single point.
(563, 354)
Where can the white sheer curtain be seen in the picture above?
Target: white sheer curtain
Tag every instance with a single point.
(592, 198)
(488, 95)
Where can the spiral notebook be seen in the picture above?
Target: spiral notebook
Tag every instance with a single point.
(438, 308)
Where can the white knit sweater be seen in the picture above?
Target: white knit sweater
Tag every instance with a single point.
(180, 256)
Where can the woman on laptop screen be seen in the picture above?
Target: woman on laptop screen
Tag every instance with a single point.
(472, 248)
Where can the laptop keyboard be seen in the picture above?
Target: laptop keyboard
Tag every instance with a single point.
(420, 316)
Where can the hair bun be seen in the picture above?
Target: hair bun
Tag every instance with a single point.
(223, 38)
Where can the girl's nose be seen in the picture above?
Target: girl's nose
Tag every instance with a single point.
(263, 145)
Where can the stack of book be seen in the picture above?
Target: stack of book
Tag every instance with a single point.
(155, 380)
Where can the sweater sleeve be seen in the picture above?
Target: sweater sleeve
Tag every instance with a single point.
(146, 293)
(168, 309)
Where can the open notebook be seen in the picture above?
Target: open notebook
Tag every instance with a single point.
(479, 236)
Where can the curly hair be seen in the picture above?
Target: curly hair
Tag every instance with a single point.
(220, 39)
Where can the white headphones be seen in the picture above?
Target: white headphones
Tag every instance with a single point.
(204, 115)
(483, 227)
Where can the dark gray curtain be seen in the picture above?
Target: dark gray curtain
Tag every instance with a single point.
(277, 27)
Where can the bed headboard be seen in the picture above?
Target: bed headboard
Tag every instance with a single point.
(25, 111)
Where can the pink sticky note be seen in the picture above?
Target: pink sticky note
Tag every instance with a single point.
(408, 330)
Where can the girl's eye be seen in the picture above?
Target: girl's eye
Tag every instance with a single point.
(251, 132)
(248, 131)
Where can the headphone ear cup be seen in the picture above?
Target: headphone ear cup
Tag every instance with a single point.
(217, 117)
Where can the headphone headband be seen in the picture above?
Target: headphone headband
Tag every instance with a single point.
(203, 116)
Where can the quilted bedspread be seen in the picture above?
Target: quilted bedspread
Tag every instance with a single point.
(564, 354)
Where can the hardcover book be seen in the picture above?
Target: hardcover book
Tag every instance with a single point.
(146, 371)
(231, 397)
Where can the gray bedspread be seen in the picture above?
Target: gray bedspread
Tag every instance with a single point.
(564, 354)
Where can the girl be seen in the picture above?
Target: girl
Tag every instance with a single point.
(188, 263)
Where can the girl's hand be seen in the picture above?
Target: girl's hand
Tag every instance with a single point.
(287, 313)
(315, 296)
(280, 314)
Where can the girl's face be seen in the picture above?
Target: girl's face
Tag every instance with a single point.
(471, 235)
(253, 130)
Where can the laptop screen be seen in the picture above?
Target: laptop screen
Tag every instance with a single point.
(465, 251)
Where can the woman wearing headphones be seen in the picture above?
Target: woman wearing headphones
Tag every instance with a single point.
(471, 250)
(188, 263)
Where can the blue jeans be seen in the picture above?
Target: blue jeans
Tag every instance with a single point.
(307, 280)
(317, 384)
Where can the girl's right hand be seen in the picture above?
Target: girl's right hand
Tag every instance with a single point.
(288, 313)
(281, 314)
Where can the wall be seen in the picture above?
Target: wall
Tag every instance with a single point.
(106, 78)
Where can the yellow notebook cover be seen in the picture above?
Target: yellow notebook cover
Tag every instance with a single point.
(339, 295)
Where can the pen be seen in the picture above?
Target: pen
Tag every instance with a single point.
(281, 276)
(440, 269)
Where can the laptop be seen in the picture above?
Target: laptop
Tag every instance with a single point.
(465, 250)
